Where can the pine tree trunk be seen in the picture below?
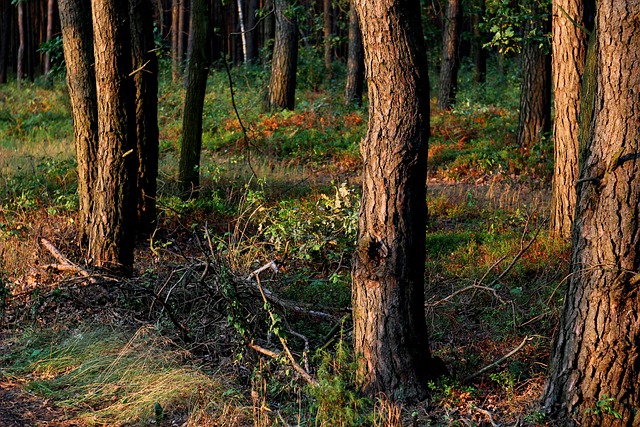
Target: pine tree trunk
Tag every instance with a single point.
(112, 229)
(145, 80)
(388, 275)
(326, 28)
(51, 5)
(569, 49)
(595, 367)
(355, 61)
(282, 85)
(175, 34)
(77, 40)
(20, 66)
(479, 53)
(252, 39)
(535, 91)
(5, 6)
(449, 65)
(197, 71)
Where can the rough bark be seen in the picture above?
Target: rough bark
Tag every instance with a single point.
(355, 62)
(450, 61)
(388, 274)
(596, 354)
(282, 84)
(197, 72)
(112, 231)
(535, 90)
(569, 49)
(145, 80)
(77, 40)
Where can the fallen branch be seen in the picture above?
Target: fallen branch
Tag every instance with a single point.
(64, 263)
(499, 361)
(488, 414)
(468, 288)
(296, 367)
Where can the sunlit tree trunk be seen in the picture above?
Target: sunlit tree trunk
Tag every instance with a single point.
(535, 90)
(175, 34)
(326, 28)
(595, 367)
(112, 229)
(77, 38)
(51, 5)
(20, 66)
(197, 71)
(449, 66)
(145, 80)
(569, 48)
(355, 61)
(282, 85)
(390, 333)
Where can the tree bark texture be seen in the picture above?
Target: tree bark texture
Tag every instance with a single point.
(355, 62)
(569, 50)
(388, 274)
(479, 53)
(112, 231)
(145, 80)
(450, 62)
(535, 91)
(596, 357)
(175, 34)
(282, 85)
(197, 72)
(77, 40)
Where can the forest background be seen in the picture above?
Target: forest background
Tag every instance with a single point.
(201, 333)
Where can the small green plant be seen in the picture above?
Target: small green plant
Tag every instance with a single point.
(604, 406)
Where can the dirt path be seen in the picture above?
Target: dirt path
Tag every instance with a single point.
(20, 409)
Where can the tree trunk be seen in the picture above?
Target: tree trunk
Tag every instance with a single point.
(197, 72)
(51, 5)
(355, 61)
(243, 31)
(479, 53)
(449, 65)
(252, 39)
(175, 34)
(535, 91)
(182, 31)
(4, 39)
(22, 46)
(595, 367)
(145, 80)
(326, 27)
(112, 229)
(282, 85)
(569, 49)
(77, 40)
(390, 333)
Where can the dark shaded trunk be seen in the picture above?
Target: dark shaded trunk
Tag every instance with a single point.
(450, 60)
(197, 72)
(595, 366)
(112, 229)
(534, 120)
(5, 6)
(355, 61)
(326, 29)
(282, 85)
(20, 65)
(145, 80)
(77, 39)
(479, 53)
(390, 333)
(569, 49)
(252, 31)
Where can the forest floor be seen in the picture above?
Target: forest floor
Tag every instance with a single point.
(195, 339)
